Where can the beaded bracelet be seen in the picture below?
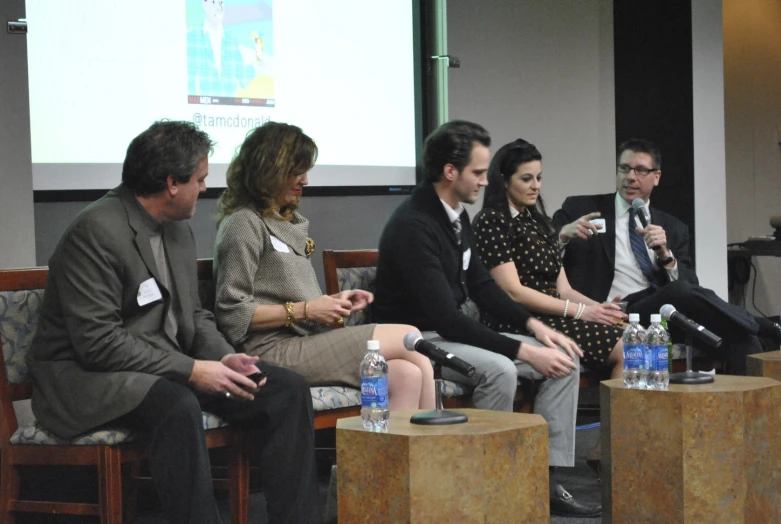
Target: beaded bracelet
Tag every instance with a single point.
(290, 316)
(581, 307)
(566, 306)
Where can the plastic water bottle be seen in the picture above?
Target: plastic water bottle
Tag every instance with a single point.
(374, 389)
(656, 343)
(669, 347)
(635, 372)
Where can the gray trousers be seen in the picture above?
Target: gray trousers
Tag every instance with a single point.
(496, 379)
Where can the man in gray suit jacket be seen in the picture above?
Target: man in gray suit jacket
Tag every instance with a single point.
(122, 340)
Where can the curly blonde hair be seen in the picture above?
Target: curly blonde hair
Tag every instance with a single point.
(259, 172)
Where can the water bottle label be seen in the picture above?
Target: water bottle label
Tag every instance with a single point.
(634, 357)
(374, 392)
(661, 358)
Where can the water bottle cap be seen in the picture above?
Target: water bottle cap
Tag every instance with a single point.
(373, 345)
(634, 317)
(656, 317)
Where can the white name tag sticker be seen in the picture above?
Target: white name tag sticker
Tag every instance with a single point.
(279, 245)
(599, 222)
(467, 258)
(148, 292)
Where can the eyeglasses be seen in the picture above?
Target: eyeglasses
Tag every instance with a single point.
(641, 171)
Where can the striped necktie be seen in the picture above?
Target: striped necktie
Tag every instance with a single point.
(640, 251)
(457, 229)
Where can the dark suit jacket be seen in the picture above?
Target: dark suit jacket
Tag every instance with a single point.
(421, 279)
(96, 352)
(590, 264)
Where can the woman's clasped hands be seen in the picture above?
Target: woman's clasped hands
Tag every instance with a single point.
(329, 309)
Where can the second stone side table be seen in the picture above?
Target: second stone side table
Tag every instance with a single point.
(764, 365)
(694, 454)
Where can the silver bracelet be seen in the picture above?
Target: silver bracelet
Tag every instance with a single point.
(566, 306)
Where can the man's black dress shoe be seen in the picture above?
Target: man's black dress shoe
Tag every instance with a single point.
(562, 504)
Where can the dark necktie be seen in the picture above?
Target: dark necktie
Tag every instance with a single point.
(640, 252)
(457, 229)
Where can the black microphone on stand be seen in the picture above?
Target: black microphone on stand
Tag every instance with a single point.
(692, 329)
(672, 315)
(415, 342)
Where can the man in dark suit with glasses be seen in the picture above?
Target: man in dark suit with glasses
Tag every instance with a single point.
(648, 266)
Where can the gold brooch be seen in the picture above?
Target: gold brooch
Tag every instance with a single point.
(310, 247)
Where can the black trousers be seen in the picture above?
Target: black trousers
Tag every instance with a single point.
(281, 420)
(734, 324)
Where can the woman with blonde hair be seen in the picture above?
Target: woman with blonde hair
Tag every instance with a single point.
(269, 302)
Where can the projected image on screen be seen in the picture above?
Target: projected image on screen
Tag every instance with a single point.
(230, 52)
(101, 71)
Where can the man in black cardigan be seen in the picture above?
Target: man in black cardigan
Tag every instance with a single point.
(427, 275)
(601, 263)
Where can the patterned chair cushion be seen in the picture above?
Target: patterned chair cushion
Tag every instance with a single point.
(333, 397)
(212, 421)
(470, 309)
(454, 389)
(18, 319)
(34, 434)
(357, 278)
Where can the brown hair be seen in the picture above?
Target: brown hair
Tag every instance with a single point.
(260, 170)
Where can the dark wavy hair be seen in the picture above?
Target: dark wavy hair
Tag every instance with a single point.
(259, 171)
(503, 166)
(167, 148)
(451, 143)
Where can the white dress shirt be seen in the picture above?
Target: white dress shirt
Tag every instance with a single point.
(628, 277)
(452, 214)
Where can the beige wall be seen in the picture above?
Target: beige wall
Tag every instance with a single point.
(17, 227)
(752, 99)
(542, 71)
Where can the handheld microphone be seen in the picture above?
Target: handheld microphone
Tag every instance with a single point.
(642, 214)
(414, 342)
(670, 314)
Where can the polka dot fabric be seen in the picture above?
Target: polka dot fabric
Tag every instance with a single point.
(525, 243)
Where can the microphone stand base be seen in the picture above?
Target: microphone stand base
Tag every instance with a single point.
(438, 417)
(691, 377)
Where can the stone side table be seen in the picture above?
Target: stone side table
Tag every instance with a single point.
(493, 468)
(764, 365)
(709, 453)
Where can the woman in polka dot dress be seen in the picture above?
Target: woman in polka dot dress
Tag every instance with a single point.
(516, 240)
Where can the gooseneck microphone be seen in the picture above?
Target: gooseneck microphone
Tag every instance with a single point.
(670, 314)
(415, 342)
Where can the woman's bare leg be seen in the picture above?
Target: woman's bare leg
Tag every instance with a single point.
(391, 337)
(616, 360)
(404, 382)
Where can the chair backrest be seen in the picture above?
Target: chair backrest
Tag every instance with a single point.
(206, 289)
(21, 295)
(351, 270)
